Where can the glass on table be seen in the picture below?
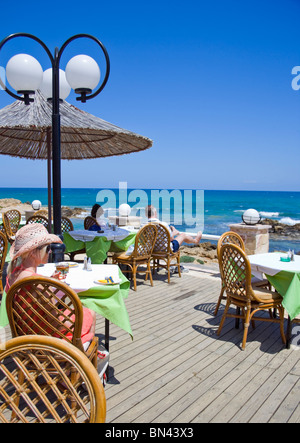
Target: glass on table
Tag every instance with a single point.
(62, 268)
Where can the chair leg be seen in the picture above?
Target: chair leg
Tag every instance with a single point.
(178, 266)
(134, 275)
(223, 317)
(281, 315)
(220, 299)
(150, 274)
(168, 269)
(246, 327)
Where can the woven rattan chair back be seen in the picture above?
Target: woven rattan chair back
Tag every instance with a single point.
(45, 380)
(236, 272)
(162, 242)
(144, 242)
(45, 306)
(11, 221)
(38, 219)
(66, 225)
(162, 254)
(90, 221)
(3, 252)
(43, 212)
(230, 237)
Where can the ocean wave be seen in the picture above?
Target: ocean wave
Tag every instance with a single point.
(261, 213)
(288, 221)
(269, 214)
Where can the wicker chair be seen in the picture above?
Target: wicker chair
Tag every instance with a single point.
(38, 219)
(11, 222)
(163, 251)
(236, 272)
(3, 252)
(45, 306)
(141, 255)
(45, 380)
(66, 225)
(43, 212)
(235, 239)
(90, 221)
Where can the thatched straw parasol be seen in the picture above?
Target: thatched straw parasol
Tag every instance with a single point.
(25, 130)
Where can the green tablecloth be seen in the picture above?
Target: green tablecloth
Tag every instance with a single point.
(288, 286)
(108, 301)
(98, 248)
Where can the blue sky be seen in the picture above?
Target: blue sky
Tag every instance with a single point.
(208, 82)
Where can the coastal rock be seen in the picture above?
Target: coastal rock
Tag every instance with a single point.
(205, 252)
(72, 212)
(6, 204)
(282, 230)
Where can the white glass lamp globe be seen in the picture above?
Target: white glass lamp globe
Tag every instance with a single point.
(82, 72)
(251, 217)
(36, 205)
(124, 210)
(46, 86)
(24, 73)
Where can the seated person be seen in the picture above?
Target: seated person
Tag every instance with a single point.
(176, 237)
(96, 213)
(30, 249)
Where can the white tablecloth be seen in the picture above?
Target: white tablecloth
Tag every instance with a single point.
(81, 280)
(83, 235)
(271, 264)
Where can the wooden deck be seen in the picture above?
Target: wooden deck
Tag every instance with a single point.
(176, 370)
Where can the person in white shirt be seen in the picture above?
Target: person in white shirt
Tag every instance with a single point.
(176, 237)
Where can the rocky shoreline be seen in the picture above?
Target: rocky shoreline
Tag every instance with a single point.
(203, 253)
(7, 204)
(279, 230)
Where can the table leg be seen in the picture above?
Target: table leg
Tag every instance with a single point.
(288, 333)
(107, 334)
(106, 341)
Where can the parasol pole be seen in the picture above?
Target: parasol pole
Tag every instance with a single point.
(49, 178)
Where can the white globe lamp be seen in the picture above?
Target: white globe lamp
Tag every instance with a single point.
(36, 205)
(46, 86)
(83, 74)
(124, 210)
(24, 73)
(251, 217)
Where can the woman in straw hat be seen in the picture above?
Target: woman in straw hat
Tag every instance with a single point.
(30, 249)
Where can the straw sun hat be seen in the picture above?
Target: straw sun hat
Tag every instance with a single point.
(30, 237)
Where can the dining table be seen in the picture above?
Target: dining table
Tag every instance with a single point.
(105, 298)
(97, 244)
(284, 276)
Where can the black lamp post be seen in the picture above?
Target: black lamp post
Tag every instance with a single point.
(25, 75)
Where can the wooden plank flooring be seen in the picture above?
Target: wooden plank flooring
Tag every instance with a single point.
(176, 370)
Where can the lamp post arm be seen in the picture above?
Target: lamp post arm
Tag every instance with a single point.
(32, 37)
(107, 72)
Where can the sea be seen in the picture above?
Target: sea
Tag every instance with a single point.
(210, 211)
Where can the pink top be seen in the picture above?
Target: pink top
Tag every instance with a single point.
(87, 323)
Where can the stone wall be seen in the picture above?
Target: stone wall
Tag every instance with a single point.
(256, 237)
